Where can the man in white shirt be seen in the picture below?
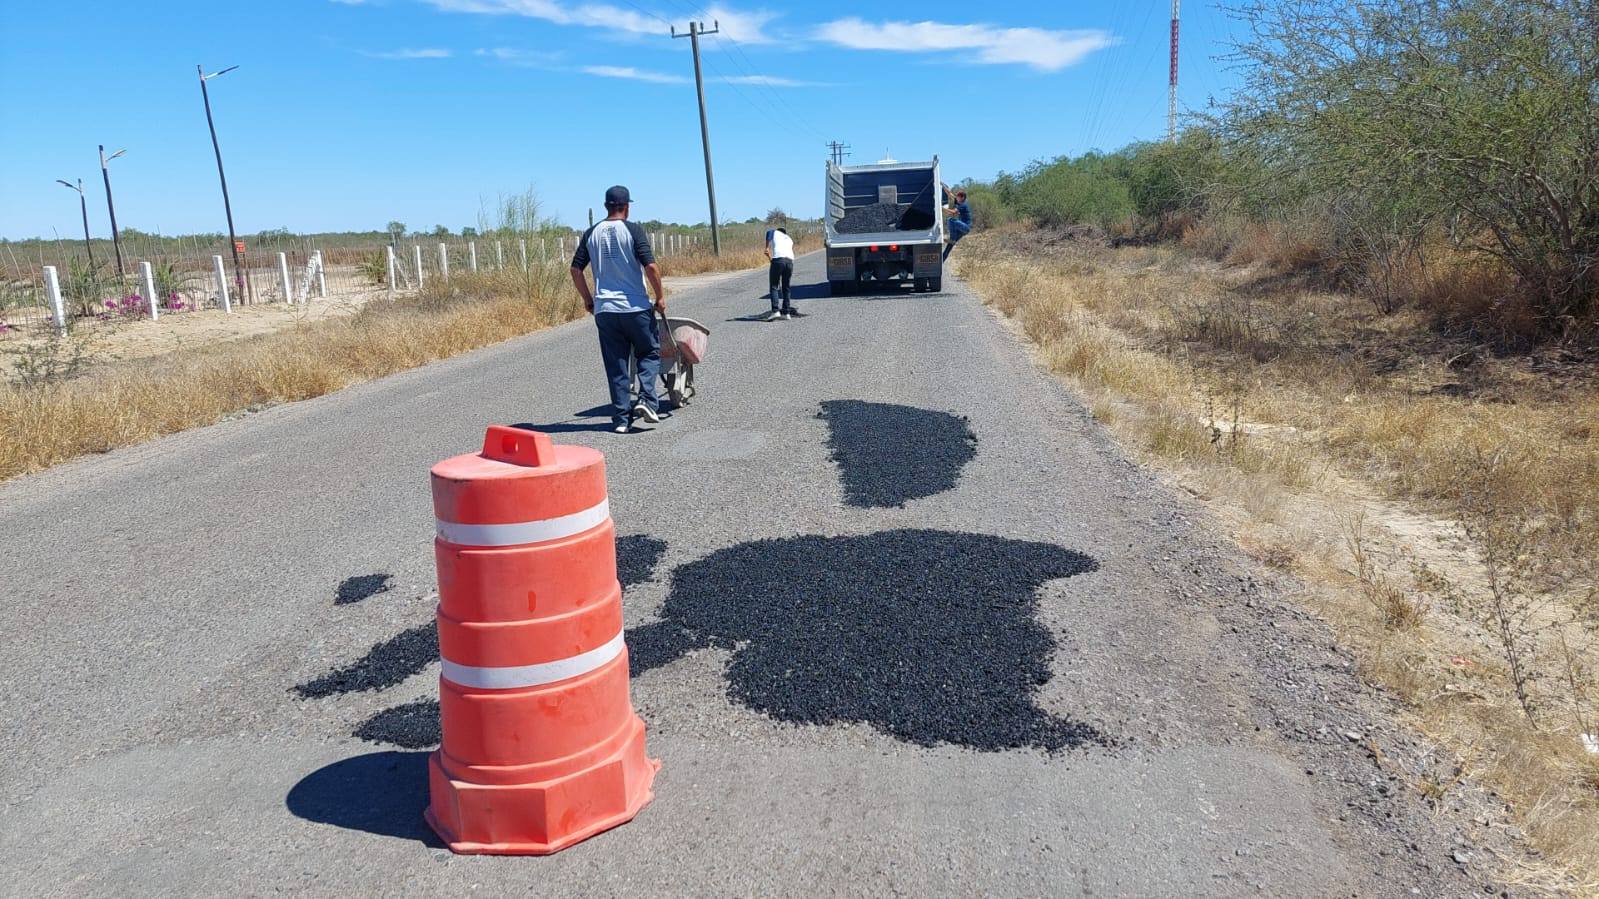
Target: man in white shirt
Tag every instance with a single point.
(780, 249)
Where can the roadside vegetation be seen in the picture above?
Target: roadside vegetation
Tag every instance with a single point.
(1356, 311)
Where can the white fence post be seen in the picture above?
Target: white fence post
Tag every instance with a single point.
(389, 253)
(471, 256)
(321, 277)
(147, 281)
(499, 257)
(544, 253)
(521, 246)
(52, 286)
(222, 284)
(444, 262)
(416, 250)
(283, 275)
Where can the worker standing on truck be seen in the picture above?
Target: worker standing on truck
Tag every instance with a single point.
(622, 258)
(961, 223)
(780, 249)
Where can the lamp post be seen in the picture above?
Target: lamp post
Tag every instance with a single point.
(116, 242)
(233, 240)
(84, 205)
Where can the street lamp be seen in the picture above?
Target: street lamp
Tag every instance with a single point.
(106, 173)
(238, 266)
(84, 204)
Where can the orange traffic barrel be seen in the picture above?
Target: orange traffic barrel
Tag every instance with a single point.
(541, 747)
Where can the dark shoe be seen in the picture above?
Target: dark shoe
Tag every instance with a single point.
(793, 313)
(646, 413)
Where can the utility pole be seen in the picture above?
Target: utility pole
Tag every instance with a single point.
(695, 29)
(838, 150)
(105, 173)
(227, 207)
(1171, 89)
(83, 205)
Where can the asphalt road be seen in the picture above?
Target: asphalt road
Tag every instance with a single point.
(903, 622)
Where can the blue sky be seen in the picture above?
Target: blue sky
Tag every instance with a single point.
(347, 114)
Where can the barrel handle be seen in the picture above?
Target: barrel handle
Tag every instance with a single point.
(518, 446)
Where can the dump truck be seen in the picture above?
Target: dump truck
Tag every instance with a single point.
(884, 226)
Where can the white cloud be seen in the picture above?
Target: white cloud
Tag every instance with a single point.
(771, 81)
(424, 53)
(591, 15)
(633, 74)
(742, 27)
(1048, 51)
(515, 57)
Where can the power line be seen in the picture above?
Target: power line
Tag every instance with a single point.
(750, 68)
(759, 107)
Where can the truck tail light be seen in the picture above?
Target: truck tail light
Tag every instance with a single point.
(874, 249)
(893, 248)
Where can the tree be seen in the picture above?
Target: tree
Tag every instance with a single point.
(440, 231)
(396, 231)
(776, 217)
(1482, 115)
(514, 216)
(469, 232)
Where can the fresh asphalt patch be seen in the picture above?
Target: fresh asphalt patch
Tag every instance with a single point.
(362, 586)
(929, 636)
(636, 558)
(414, 725)
(888, 454)
(385, 665)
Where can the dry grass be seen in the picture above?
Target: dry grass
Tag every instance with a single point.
(1440, 504)
(117, 404)
(732, 259)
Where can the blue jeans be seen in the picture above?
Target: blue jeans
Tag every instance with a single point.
(624, 335)
(957, 230)
(780, 273)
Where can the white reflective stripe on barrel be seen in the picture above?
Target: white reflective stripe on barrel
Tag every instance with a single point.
(533, 675)
(522, 532)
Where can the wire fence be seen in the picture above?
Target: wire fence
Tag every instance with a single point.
(60, 290)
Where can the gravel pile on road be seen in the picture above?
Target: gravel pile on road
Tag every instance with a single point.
(888, 454)
(414, 725)
(929, 636)
(385, 665)
(362, 586)
(636, 557)
(882, 217)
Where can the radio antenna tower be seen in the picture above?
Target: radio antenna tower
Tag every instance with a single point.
(1171, 89)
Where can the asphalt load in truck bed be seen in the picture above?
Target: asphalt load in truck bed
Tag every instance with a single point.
(882, 217)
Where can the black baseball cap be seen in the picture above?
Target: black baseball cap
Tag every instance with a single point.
(617, 196)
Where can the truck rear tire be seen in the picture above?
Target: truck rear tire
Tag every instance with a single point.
(840, 288)
(935, 284)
